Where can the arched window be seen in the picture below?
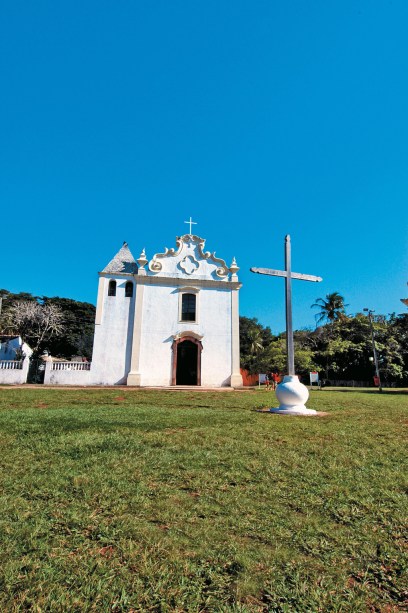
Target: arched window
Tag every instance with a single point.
(188, 307)
(129, 289)
(112, 288)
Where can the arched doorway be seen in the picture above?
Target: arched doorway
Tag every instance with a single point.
(187, 361)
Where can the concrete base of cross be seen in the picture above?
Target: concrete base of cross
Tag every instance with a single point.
(292, 396)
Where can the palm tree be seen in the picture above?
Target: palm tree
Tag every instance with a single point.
(255, 341)
(332, 308)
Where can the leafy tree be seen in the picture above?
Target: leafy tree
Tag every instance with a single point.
(343, 349)
(304, 352)
(332, 308)
(398, 325)
(79, 325)
(262, 352)
(254, 340)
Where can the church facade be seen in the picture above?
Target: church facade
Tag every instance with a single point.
(172, 320)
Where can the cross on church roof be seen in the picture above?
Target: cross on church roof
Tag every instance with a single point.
(191, 222)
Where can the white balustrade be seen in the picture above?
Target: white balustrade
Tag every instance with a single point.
(71, 366)
(11, 364)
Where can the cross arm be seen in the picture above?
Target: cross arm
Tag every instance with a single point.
(282, 273)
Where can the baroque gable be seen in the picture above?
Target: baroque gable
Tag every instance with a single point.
(190, 261)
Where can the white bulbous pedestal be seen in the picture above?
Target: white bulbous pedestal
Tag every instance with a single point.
(292, 396)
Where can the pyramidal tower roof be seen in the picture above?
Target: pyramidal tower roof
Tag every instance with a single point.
(123, 262)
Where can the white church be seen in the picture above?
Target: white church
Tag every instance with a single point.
(169, 321)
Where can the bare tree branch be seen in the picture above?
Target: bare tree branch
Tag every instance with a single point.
(35, 323)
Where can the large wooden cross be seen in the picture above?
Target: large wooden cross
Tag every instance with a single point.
(289, 275)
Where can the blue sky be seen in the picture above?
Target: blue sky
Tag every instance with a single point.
(119, 120)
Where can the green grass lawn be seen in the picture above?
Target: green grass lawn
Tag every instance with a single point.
(127, 500)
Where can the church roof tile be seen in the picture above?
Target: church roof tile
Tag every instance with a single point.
(123, 262)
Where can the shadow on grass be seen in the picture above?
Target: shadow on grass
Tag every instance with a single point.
(390, 391)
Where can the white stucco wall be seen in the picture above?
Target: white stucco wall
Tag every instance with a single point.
(14, 376)
(65, 377)
(215, 317)
(113, 336)
(161, 321)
